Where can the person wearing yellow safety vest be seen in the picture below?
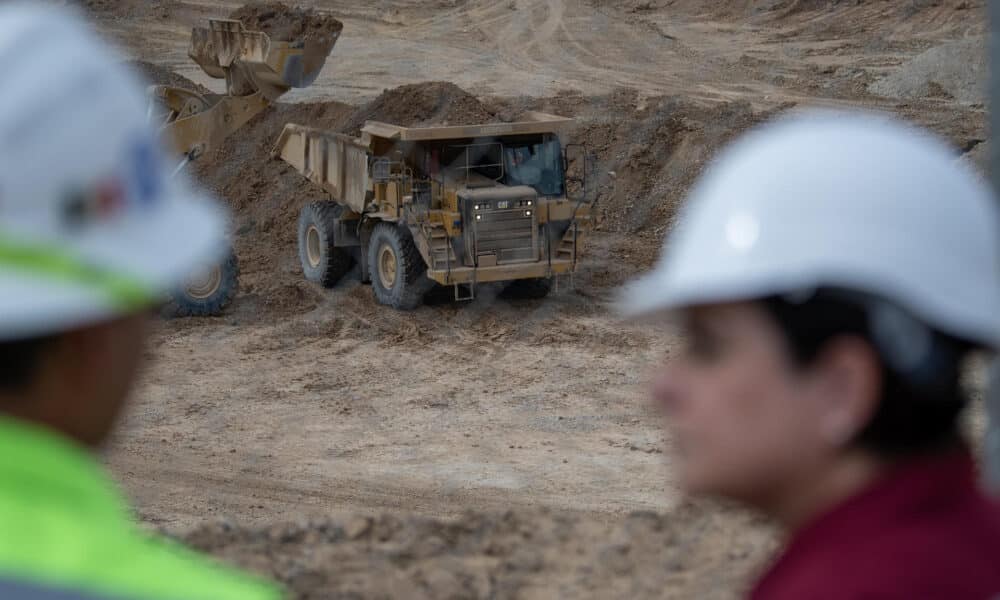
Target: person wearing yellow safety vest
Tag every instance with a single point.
(830, 273)
(93, 231)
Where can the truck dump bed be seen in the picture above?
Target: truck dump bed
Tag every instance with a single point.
(338, 163)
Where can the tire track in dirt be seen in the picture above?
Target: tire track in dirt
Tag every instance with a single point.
(241, 493)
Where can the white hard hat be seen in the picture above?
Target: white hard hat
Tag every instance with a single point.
(91, 222)
(846, 200)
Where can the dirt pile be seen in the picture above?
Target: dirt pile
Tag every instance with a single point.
(265, 196)
(656, 153)
(285, 23)
(952, 71)
(432, 103)
(508, 555)
(655, 147)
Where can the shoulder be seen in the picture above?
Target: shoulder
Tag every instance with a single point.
(118, 561)
(949, 555)
(164, 564)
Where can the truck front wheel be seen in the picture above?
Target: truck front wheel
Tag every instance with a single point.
(398, 272)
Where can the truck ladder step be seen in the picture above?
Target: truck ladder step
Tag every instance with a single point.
(442, 252)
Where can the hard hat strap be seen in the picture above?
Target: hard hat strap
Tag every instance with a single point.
(124, 292)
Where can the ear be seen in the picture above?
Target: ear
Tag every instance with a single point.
(848, 378)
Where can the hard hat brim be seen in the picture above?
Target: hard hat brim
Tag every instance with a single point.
(154, 251)
(658, 293)
(654, 294)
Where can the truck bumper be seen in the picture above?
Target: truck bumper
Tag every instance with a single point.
(532, 270)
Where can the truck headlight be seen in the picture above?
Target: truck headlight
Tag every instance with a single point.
(527, 213)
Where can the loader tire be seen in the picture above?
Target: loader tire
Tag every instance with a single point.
(398, 272)
(207, 292)
(322, 261)
(528, 289)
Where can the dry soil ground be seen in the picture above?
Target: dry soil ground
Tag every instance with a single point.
(303, 403)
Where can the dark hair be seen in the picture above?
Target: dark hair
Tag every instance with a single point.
(921, 397)
(20, 361)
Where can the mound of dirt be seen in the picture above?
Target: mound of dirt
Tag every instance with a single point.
(955, 70)
(155, 74)
(668, 145)
(655, 148)
(285, 23)
(432, 103)
(509, 555)
(265, 196)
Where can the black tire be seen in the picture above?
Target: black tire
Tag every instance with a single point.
(528, 289)
(322, 261)
(408, 283)
(210, 295)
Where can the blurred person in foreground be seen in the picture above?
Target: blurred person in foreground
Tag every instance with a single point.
(830, 273)
(92, 231)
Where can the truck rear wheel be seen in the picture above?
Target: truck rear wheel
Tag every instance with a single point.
(398, 272)
(528, 289)
(208, 290)
(322, 261)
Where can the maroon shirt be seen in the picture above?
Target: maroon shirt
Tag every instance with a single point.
(923, 531)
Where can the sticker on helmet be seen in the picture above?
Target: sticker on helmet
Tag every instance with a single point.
(139, 187)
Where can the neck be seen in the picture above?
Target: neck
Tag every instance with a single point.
(820, 490)
(55, 411)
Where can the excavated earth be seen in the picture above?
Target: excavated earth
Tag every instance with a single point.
(285, 23)
(495, 448)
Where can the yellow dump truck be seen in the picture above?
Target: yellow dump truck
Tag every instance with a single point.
(455, 206)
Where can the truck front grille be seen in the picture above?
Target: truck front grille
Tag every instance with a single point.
(509, 234)
(500, 231)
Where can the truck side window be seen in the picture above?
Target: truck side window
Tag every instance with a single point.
(537, 165)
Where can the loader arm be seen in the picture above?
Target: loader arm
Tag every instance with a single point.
(201, 123)
(257, 71)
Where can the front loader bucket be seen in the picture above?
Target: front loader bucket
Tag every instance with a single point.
(254, 62)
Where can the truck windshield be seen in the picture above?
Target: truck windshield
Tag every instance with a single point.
(537, 165)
